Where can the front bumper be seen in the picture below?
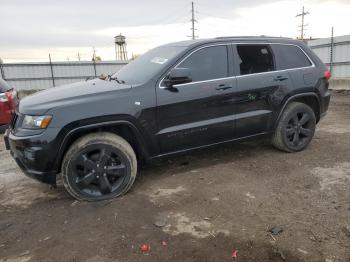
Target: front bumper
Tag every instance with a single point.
(34, 155)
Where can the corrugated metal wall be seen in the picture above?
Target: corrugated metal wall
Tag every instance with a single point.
(26, 76)
(341, 54)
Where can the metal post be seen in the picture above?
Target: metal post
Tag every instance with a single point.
(94, 61)
(331, 52)
(2, 69)
(52, 76)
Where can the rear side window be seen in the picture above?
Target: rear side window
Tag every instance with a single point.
(255, 59)
(207, 63)
(290, 56)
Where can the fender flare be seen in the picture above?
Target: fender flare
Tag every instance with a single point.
(76, 130)
(297, 96)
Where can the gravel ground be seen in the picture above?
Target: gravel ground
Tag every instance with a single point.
(198, 207)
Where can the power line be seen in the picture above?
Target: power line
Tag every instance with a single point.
(204, 14)
(179, 18)
(303, 25)
(169, 16)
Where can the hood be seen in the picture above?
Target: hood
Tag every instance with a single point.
(41, 102)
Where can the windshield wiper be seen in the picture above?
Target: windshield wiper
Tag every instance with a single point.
(119, 81)
(109, 78)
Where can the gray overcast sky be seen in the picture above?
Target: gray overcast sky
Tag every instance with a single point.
(30, 29)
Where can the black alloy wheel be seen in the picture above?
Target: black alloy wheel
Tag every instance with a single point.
(99, 170)
(295, 128)
(99, 166)
(299, 129)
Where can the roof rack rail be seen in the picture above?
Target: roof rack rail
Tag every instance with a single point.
(264, 36)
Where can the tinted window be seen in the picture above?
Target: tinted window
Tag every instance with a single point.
(3, 86)
(291, 56)
(148, 65)
(255, 59)
(207, 63)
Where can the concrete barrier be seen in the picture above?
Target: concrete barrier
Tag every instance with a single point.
(340, 84)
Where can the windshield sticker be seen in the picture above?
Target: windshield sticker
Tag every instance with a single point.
(264, 51)
(159, 60)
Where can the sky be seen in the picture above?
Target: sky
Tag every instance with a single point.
(31, 29)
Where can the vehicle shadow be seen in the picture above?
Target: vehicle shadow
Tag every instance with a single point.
(206, 157)
(197, 159)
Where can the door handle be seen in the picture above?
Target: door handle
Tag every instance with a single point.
(280, 78)
(223, 87)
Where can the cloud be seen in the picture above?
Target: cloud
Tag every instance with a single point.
(34, 28)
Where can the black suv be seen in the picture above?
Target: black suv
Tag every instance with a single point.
(174, 98)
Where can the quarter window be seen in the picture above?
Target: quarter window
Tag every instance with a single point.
(291, 56)
(207, 63)
(255, 59)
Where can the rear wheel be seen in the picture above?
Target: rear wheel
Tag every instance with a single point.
(99, 166)
(295, 128)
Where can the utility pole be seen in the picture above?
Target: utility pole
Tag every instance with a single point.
(303, 25)
(193, 20)
(78, 56)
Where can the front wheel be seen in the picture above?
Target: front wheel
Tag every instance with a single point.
(295, 128)
(99, 166)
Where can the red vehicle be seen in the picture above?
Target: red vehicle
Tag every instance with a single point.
(8, 102)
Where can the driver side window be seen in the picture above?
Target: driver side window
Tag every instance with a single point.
(207, 63)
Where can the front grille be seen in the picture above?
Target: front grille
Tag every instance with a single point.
(13, 120)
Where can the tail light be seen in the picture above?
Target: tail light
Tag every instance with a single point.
(327, 75)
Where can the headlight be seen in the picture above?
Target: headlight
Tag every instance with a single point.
(36, 122)
(3, 97)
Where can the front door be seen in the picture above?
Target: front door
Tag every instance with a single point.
(189, 114)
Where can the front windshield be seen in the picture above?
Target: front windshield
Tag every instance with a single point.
(149, 64)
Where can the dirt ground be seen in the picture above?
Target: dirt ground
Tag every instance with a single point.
(198, 207)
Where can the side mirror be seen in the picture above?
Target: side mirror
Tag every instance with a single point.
(178, 76)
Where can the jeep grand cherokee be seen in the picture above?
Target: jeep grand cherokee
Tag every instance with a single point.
(174, 98)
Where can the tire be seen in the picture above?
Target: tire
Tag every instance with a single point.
(99, 166)
(295, 128)
(3, 128)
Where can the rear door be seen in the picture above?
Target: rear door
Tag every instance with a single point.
(189, 114)
(259, 88)
(300, 67)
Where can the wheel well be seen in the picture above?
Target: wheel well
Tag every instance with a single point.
(312, 102)
(123, 131)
